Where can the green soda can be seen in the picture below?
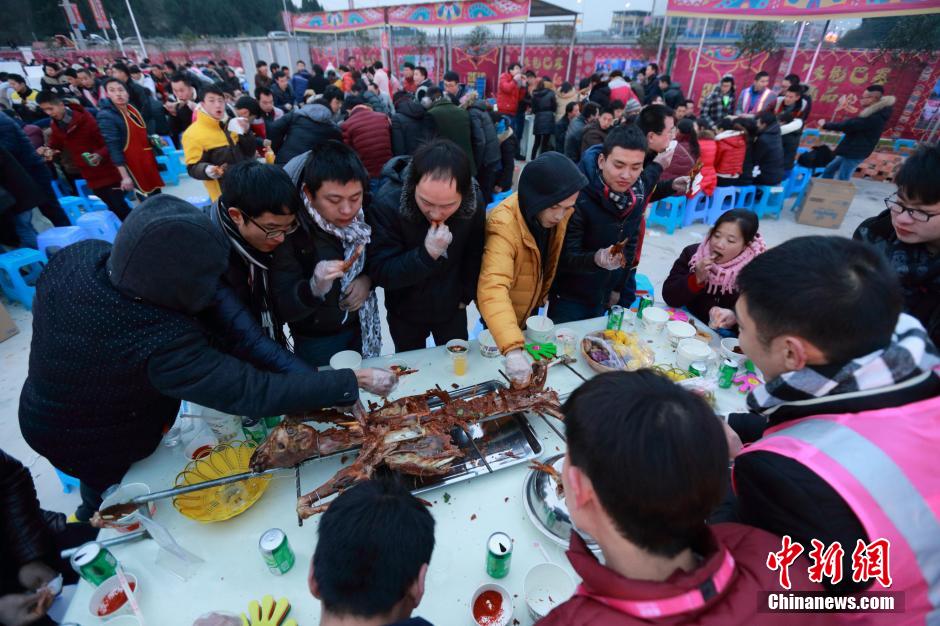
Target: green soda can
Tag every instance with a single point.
(699, 368)
(94, 563)
(254, 429)
(615, 319)
(644, 303)
(498, 555)
(271, 422)
(86, 156)
(726, 373)
(276, 551)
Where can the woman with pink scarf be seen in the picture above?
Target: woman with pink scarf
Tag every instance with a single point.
(704, 278)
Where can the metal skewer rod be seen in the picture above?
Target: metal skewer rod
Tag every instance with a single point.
(574, 371)
(300, 520)
(552, 426)
(178, 491)
(137, 535)
(479, 454)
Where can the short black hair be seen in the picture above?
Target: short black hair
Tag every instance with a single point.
(332, 92)
(608, 109)
(422, 69)
(616, 73)
(70, 72)
(333, 161)
(442, 160)
(44, 97)
(591, 109)
(746, 220)
(353, 101)
(530, 74)
(256, 188)
(434, 92)
(121, 67)
(689, 103)
(839, 294)
(373, 541)
(247, 102)
(263, 91)
(665, 78)
(879, 88)
(617, 104)
(652, 119)
(728, 78)
(570, 107)
(261, 64)
(626, 136)
(181, 77)
(766, 117)
(452, 76)
(514, 65)
(278, 75)
(760, 75)
(377, 65)
(275, 66)
(84, 70)
(110, 80)
(213, 89)
(655, 67)
(793, 79)
(300, 62)
(134, 69)
(16, 78)
(797, 89)
(655, 453)
(915, 179)
(409, 65)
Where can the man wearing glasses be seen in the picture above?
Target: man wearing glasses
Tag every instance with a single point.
(908, 234)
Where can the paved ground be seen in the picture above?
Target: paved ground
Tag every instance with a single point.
(659, 253)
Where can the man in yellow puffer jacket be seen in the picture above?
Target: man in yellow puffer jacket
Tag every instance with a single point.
(524, 237)
(214, 140)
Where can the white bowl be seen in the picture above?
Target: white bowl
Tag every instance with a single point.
(540, 329)
(654, 319)
(546, 586)
(690, 351)
(121, 495)
(677, 331)
(488, 347)
(728, 344)
(113, 585)
(347, 359)
(508, 607)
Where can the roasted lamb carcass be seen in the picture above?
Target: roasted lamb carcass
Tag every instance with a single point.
(291, 443)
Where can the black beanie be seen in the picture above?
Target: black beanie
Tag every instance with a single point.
(169, 253)
(546, 181)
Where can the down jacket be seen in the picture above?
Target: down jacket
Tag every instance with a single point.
(368, 132)
(731, 150)
(708, 149)
(863, 132)
(207, 142)
(768, 155)
(483, 134)
(411, 127)
(509, 94)
(453, 123)
(300, 130)
(543, 108)
(25, 535)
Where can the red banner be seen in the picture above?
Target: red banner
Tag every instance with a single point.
(447, 14)
(799, 9)
(338, 21)
(716, 62)
(101, 18)
(74, 16)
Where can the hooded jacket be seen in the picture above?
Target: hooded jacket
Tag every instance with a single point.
(561, 102)
(599, 223)
(620, 90)
(863, 132)
(731, 150)
(118, 344)
(483, 133)
(368, 132)
(300, 130)
(515, 275)
(453, 123)
(411, 127)
(768, 155)
(207, 142)
(419, 288)
(543, 108)
(573, 137)
(508, 95)
(299, 83)
(672, 96)
(593, 135)
(82, 135)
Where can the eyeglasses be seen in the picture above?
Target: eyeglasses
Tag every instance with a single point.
(273, 233)
(915, 214)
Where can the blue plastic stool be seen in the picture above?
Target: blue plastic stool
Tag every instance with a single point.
(73, 207)
(770, 202)
(68, 482)
(799, 178)
(168, 173)
(696, 208)
(94, 203)
(644, 287)
(721, 202)
(202, 202)
(54, 239)
(81, 188)
(668, 213)
(18, 286)
(497, 199)
(100, 225)
(744, 197)
(802, 149)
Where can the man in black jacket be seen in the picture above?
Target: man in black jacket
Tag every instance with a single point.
(306, 127)
(119, 340)
(768, 150)
(411, 125)
(861, 133)
(821, 318)
(592, 275)
(427, 245)
(180, 113)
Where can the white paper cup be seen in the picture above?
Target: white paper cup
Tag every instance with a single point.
(122, 494)
(677, 331)
(728, 344)
(540, 329)
(508, 607)
(488, 347)
(690, 351)
(112, 585)
(654, 319)
(546, 586)
(347, 359)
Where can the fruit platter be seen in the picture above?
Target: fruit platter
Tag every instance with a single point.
(615, 350)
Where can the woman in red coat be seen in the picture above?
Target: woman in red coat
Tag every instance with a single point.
(731, 145)
(707, 151)
(704, 278)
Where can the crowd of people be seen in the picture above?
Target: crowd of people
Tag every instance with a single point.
(326, 186)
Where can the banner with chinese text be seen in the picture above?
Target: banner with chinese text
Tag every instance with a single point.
(446, 14)
(799, 9)
(101, 18)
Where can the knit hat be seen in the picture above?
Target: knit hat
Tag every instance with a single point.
(168, 253)
(548, 180)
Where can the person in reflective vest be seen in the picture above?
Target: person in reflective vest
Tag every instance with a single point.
(847, 426)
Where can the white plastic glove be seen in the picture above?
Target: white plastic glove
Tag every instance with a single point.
(607, 261)
(664, 158)
(324, 274)
(518, 367)
(437, 240)
(215, 172)
(378, 381)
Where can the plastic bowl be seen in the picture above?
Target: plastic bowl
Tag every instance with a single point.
(508, 606)
(540, 329)
(654, 319)
(546, 586)
(129, 523)
(113, 585)
(691, 351)
(347, 359)
(677, 331)
(728, 345)
(225, 501)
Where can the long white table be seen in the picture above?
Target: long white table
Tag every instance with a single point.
(233, 573)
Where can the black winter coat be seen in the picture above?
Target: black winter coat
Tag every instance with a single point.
(483, 134)
(419, 288)
(768, 156)
(673, 96)
(411, 127)
(543, 108)
(790, 142)
(863, 132)
(300, 130)
(917, 269)
(681, 289)
(507, 157)
(598, 223)
(24, 536)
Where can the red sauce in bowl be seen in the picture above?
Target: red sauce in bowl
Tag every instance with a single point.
(488, 608)
(114, 600)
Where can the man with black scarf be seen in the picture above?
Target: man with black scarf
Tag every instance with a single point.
(121, 335)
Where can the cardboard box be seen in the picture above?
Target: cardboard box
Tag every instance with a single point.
(826, 202)
(7, 326)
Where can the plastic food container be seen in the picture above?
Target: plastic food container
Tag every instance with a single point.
(677, 331)
(129, 522)
(654, 319)
(111, 593)
(488, 347)
(504, 617)
(347, 359)
(546, 586)
(540, 329)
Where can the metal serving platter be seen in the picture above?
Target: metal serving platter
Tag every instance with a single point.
(547, 509)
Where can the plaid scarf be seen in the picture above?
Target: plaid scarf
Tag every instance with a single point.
(909, 354)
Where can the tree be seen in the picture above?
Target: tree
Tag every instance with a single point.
(756, 38)
(310, 6)
(648, 40)
(904, 39)
(478, 41)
